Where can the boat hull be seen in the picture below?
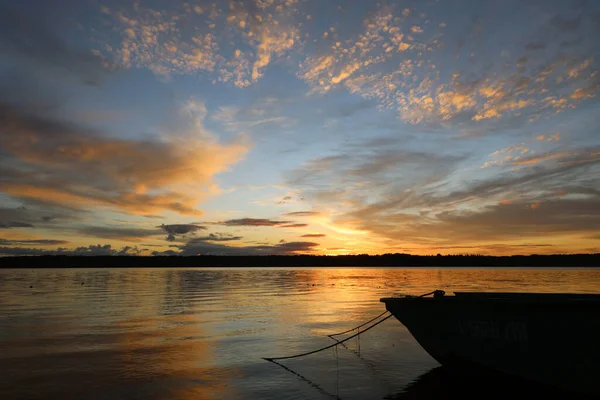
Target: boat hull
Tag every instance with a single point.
(551, 339)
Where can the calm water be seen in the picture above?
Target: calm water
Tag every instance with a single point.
(201, 333)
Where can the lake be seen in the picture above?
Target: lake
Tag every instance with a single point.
(201, 333)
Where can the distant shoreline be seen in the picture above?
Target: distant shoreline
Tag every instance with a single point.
(385, 260)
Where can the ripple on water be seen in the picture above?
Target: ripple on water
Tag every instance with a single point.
(201, 333)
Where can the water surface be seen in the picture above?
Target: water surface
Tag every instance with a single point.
(201, 333)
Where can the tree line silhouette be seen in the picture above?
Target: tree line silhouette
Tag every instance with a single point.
(360, 260)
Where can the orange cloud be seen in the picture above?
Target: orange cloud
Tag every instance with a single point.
(131, 203)
(541, 158)
(80, 168)
(153, 39)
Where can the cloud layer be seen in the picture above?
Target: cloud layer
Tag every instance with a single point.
(373, 127)
(72, 166)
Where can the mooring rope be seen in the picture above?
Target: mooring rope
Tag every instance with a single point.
(360, 326)
(337, 370)
(434, 293)
(305, 379)
(357, 353)
(330, 346)
(376, 372)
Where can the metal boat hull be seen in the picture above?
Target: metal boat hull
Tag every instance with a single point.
(551, 339)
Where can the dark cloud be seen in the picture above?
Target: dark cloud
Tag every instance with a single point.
(217, 237)
(175, 230)
(23, 36)
(92, 250)
(565, 24)
(253, 222)
(15, 224)
(523, 220)
(573, 172)
(166, 253)
(302, 213)
(197, 247)
(293, 225)
(42, 242)
(119, 233)
(295, 247)
(39, 212)
(153, 216)
(314, 235)
(181, 229)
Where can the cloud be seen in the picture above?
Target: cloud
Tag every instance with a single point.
(302, 213)
(412, 198)
(314, 235)
(37, 214)
(198, 247)
(165, 42)
(364, 172)
(119, 233)
(294, 225)
(15, 224)
(217, 237)
(42, 242)
(284, 200)
(523, 220)
(263, 119)
(397, 61)
(68, 165)
(92, 250)
(181, 229)
(536, 159)
(23, 37)
(253, 222)
(383, 40)
(175, 230)
(569, 174)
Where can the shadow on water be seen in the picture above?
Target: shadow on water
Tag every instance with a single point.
(447, 383)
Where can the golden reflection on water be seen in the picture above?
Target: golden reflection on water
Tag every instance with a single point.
(201, 333)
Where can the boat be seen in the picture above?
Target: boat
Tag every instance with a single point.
(448, 383)
(549, 338)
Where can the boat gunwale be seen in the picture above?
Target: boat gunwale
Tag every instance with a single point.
(504, 297)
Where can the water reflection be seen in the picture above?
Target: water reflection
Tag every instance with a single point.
(119, 337)
(445, 383)
(201, 333)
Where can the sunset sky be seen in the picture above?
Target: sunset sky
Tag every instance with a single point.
(299, 126)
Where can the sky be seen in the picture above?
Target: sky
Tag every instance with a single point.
(299, 127)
